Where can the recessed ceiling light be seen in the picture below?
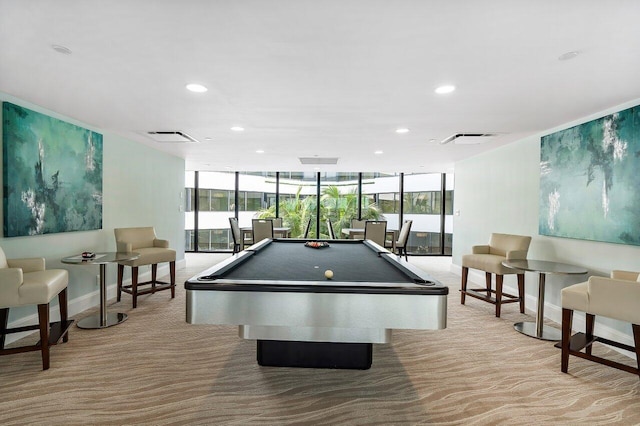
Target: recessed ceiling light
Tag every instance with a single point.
(61, 49)
(237, 129)
(402, 130)
(568, 55)
(208, 139)
(445, 89)
(378, 152)
(197, 88)
(260, 151)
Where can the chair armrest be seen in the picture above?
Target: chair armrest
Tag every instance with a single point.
(28, 264)
(161, 243)
(10, 280)
(483, 249)
(612, 298)
(124, 247)
(624, 275)
(517, 254)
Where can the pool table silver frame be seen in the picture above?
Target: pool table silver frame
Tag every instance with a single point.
(338, 317)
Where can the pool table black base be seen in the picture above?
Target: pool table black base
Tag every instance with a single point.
(280, 353)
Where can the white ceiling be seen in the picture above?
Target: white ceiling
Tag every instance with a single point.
(321, 77)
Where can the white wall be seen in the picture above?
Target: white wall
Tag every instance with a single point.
(141, 187)
(498, 192)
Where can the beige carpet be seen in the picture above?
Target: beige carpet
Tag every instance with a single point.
(157, 369)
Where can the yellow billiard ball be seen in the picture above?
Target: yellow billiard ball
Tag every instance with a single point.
(328, 273)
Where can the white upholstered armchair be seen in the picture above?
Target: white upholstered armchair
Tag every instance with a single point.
(26, 282)
(489, 258)
(152, 251)
(617, 297)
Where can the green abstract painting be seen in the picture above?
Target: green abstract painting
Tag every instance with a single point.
(52, 173)
(590, 180)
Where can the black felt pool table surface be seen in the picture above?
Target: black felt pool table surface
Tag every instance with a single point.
(350, 261)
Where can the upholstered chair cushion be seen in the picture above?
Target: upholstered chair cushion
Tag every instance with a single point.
(489, 257)
(143, 240)
(26, 282)
(404, 233)
(616, 298)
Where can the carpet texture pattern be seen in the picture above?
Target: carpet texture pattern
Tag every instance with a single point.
(156, 369)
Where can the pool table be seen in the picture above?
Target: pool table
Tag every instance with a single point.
(277, 293)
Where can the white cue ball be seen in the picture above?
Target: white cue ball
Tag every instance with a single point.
(328, 273)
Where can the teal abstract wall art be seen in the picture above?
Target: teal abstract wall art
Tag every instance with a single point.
(52, 173)
(590, 180)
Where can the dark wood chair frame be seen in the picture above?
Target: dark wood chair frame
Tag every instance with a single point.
(332, 234)
(486, 293)
(307, 228)
(50, 332)
(155, 285)
(573, 345)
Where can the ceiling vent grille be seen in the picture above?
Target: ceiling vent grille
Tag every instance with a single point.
(469, 138)
(171, 137)
(318, 160)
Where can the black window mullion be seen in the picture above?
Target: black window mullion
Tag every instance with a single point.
(197, 211)
(318, 205)
(359, 212)
(443, 186)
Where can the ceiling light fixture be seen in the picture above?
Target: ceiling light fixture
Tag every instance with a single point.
(378, 152)
(402, 130)
(61, 49)
(196, 88)
(445, 89)
(568, 55)
(237, 129)
(260, 151)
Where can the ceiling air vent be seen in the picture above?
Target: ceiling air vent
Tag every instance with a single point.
(469, 138)
(318, 160)
(171, 137)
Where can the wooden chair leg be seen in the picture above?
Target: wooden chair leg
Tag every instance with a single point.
(589, 321)
(62, 303)
(499, 280)
(487, 279)
(521, 292)
(43, 318)
(636, 339)
(134, 285)
(567, 319)
(4, 323)
(120, 276)
(154, 275)
(465, 275)
(172, 269)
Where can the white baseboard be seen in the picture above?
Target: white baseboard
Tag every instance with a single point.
(82, 303)
(554, 312)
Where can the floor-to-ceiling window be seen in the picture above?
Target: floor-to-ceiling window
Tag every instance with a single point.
(432, 219)
(381, 198)
(213, 197)
(207, 227)
(297, 203)
(190, 210)
(338, 201)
